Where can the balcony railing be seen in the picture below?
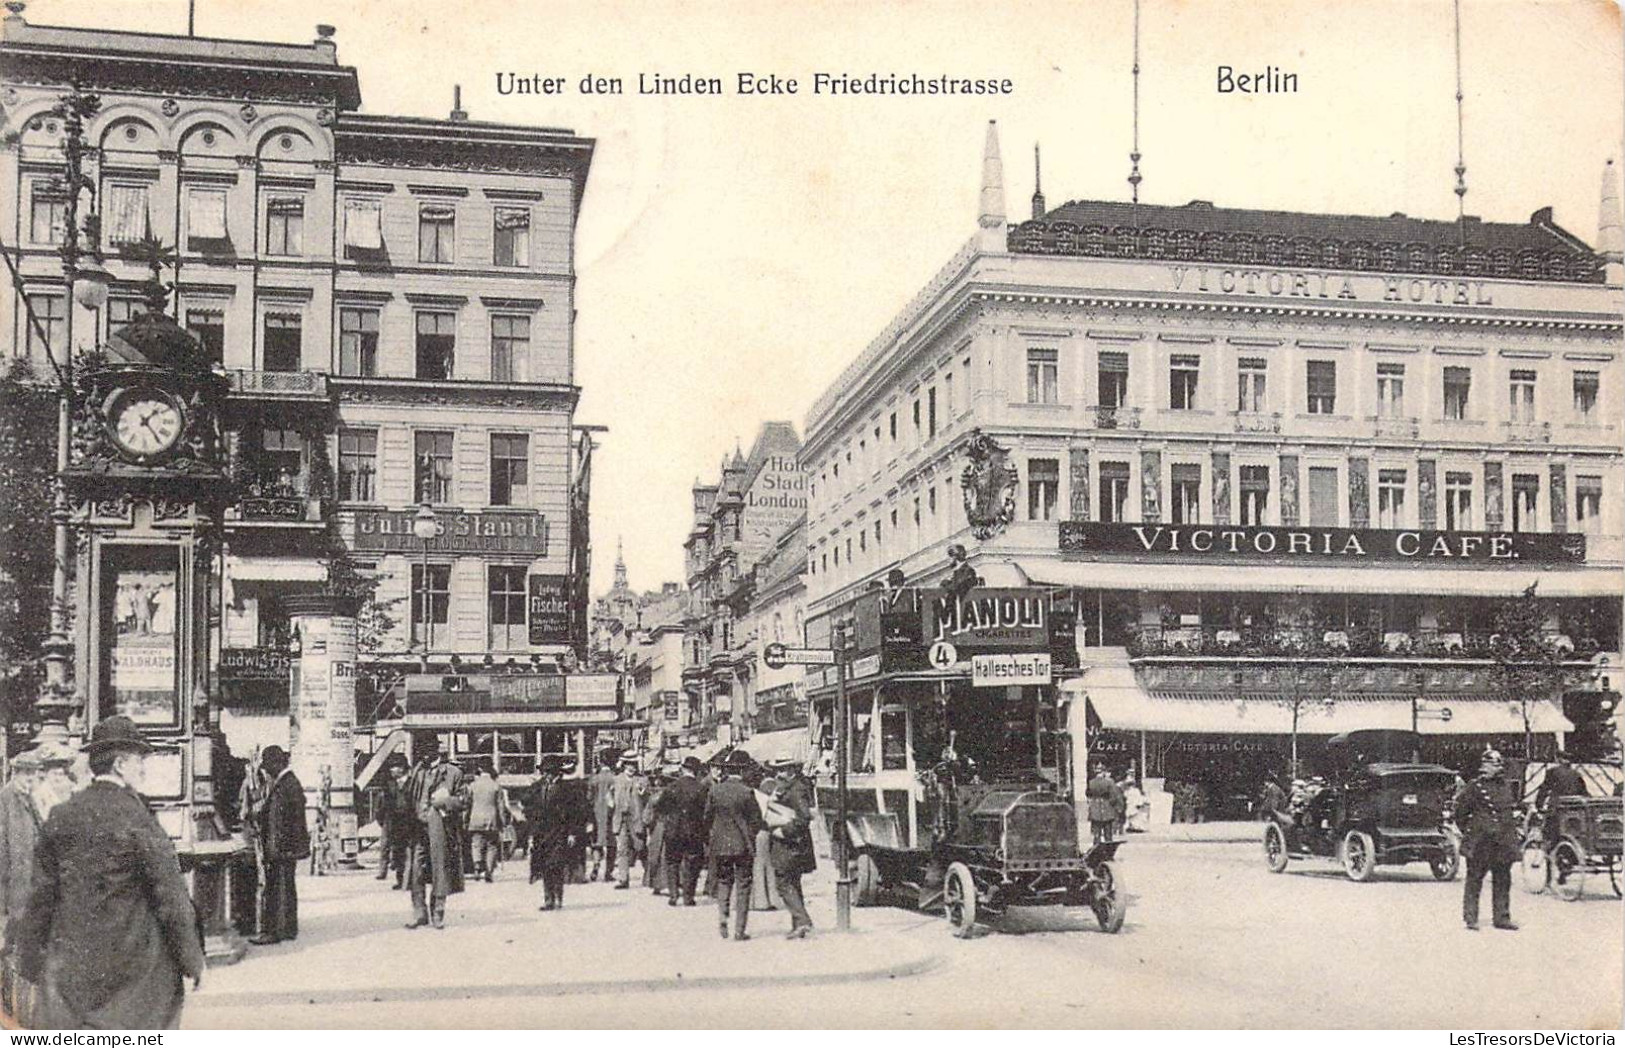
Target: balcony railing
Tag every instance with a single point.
(1258, 422)
(1528, 432)
(279, 385)
(277, 500)
(1395, 427)
(1322, 642)
(1107, 417)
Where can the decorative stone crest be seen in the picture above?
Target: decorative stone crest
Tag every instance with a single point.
(170, 108)
(248, 113)
(324, 117)
(989, 483)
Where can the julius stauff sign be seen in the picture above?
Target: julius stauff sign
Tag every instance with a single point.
(1336, 545)
(390, 531)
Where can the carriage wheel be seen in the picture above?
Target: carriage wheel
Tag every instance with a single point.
(1568, 870)
(1359, 853)
(1535, 870)
(1110, 901)
(1445, 863)
(959, 899)
(868, 882)
(1275, 855)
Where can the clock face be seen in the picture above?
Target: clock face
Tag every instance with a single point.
(146, 424)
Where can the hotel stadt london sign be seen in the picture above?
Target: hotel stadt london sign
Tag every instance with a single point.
(1082, 539)
(507, 531)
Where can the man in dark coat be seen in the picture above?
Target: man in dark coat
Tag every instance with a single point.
(109, 929)
(1560, 780)
(558, 820)
(733, 818)
(791, 847)
(1106, 804)
(682, 806)
(1487, 814)
(285, 838)
(438, 796)
(391, 834)
(602, 784)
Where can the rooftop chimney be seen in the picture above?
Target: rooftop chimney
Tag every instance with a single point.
(325, 43)
(1610, 235)
(457, 112)
(14, 14)
(1038, 187)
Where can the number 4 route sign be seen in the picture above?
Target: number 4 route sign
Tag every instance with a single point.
(777, 656)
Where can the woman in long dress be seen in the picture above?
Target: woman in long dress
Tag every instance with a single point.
(764, 891)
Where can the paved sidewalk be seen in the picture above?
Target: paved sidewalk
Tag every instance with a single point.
(353, 949)
(1204, 832)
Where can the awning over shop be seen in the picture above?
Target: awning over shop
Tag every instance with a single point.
(1282, 578)
(275, 569)
(1486, 716)
(778, 747)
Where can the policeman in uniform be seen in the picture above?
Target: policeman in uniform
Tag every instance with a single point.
(1487, 813)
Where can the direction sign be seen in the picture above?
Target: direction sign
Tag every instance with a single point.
(776, 656)
(943, 656)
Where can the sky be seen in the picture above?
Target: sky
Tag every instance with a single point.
(735, 253)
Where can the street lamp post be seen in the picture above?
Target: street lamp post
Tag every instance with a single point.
(86, 282)
(424, 527)
(843, 732)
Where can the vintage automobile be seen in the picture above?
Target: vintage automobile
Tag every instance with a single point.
(1379, 806)
(1012, 844)
(1587, 839)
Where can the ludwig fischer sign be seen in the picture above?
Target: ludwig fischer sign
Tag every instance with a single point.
(1080, 539)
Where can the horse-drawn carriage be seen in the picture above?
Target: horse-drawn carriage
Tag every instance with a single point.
(1585, 839)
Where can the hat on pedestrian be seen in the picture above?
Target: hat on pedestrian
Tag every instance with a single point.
(117, 733)
(629, 757)
(693, 764)
(274, 757)
(552, 763)
(1491, 758)
(738, 762)
(28, 760)
(54, 755)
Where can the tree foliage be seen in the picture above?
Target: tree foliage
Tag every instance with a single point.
(27, 468)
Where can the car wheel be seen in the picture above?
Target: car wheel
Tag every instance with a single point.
(959, 899)
(1275, 856)
(1359, 853)
(867, 889)
(1534, 871)
(1613, 876)
(1568, 870)
(1445, 863)
(1110, 902)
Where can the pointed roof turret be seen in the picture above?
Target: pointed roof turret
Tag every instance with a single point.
(1038, 187)
(620, 565)
(1610, 233)
(992, 215)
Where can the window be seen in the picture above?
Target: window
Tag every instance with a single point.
(436, 345)
(1185, 494)
(511, 237)
(505, 599)
(1043, 488)
(1321, 380)
(1585, 395)
(208, 326)
(431, 605)
(1112, 376)
(1182, 375)
(282, 342)
(1521, 395)
(1458, 386)
(358, 342)
(1043, 376)
(931, 500)
(1390, 498)
(437, 224)
(947, 393)
(285, 226)
(206, 219)
(1391, 390)
(1588, 504)
(1250, 374)
(509, 460)
(282, 456)
(358, 465)
(124, 214)
(931, 412)
(863, 540)
(916, 514)
(1458, 501)
(363, 228)
(877, 535)
(1255, 494)
(917, 428)
(121, 311)
(50, 311)
(893, 425)
(1525, 497)
(1323, 499)
(47, 223)
(1113, 492)
(510, 349)
(433, 452)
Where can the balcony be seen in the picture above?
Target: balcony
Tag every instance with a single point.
(1107, 417)
(1331, 643)
(278, 385)
(1394, 428)
(1527, 432)
(1258, 422)
(281, 501)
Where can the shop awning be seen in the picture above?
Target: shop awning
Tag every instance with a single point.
(1482, 715)
(275, 569)
(1294, 578)
(778, 747)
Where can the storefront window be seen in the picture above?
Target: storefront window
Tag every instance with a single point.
(893, 739)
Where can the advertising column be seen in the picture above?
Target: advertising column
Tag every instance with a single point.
(321, 711)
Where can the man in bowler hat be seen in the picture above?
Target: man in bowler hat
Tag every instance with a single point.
(1487, 813)
(285, 840)
(734, 819)
(109, 929)
(556, 811)
(682, 805)
(438, 795)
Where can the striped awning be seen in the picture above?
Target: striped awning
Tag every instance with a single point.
(778, 747)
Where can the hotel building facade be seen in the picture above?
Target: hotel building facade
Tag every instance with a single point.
(1272, 473)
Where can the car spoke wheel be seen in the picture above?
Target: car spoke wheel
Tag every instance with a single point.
(1445, 863)
(1359, 855)
(1535, 871)
(959, 899)
(1109, 902)
(1275, 856)
(1568, 870)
